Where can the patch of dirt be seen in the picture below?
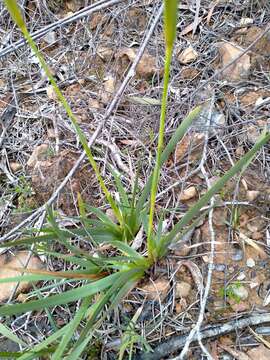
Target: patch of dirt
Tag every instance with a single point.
(48, 174)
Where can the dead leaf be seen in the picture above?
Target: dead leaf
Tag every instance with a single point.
(108, 89)
(195, 272)
(193, 143)
(38, 154)
(15, 166)
(187, 56)
(259, 353)
(6, 271)
(188, 193)
(237, 71)
(50, 93)
(239, 355)
(182, 289)
(97, 19)
(157, 289)
(146, 67)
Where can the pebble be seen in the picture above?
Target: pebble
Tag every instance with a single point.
(182, 289)
(241, 276)
(188, 194)
(226, 357)
(250, 263)
(241, 292)
(220, 267)
(237, 254)
(252, 195)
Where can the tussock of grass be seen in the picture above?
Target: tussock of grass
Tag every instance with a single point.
(112, 277)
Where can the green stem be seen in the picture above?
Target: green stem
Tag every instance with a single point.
(156, 173)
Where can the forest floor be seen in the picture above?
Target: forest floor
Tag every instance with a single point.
(90, 58)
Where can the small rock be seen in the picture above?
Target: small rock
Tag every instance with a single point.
(257, 235)
(220, 267)
(182, 251)
(187, 56)
(252, 134)
(15, 166)
(252, 195)
(188, 194)
(246, 21)
(50, 37)
(182, 289)
(146, 67)
(250, 263)
(38, 154)
(240, 69)
(253, 285)
(240, 291)
(241, 277)
(237, 254)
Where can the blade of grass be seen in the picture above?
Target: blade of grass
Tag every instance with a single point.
(195, 209)
(60, 350)
(9, 335)
(64, 298)
(177, 136)
(125, 279)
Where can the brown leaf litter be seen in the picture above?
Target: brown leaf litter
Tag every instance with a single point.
(8, 263)
(47, 175)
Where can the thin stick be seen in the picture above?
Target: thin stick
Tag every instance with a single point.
(88, 10)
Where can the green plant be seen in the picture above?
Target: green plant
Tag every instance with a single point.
(130, 337)
(230, 293)
(111, 277)
(25, 192)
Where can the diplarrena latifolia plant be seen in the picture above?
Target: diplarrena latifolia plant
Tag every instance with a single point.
(106, 280)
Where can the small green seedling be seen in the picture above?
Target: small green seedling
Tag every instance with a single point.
(230, 293)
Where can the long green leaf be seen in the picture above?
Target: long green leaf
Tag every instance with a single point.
(176, 137)
(170, 19)
(64, 298)
(58, 354)
(9, 335)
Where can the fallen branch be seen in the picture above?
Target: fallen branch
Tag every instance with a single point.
(176, 343)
